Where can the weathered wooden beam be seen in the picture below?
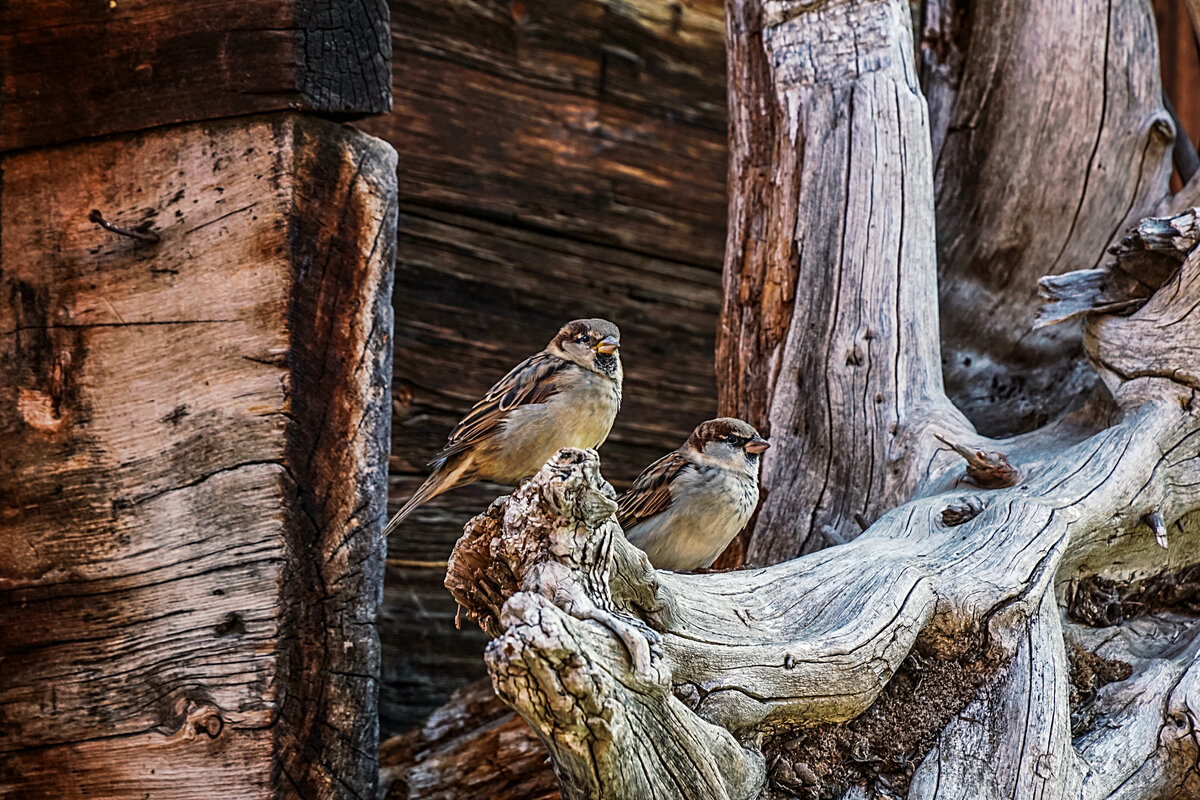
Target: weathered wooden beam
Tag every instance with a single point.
(70, 70)
(194, 437)
(599, 121)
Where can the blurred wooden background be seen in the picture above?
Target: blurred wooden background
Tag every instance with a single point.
(1180, 58)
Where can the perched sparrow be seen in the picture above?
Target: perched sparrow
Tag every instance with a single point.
(565, 396)
(685, 508)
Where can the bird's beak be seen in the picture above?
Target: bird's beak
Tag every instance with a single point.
(608, 345)
(757, 445)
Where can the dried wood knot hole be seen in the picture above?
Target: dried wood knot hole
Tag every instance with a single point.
(962, 511)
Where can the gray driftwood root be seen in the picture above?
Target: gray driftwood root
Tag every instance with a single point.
(755, 653)
(658, 685)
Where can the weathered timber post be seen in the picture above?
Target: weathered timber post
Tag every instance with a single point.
(195, 357)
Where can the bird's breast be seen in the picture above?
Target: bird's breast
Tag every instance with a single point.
(708, 508)
(725, 498)
(580, 415)
(585, 410)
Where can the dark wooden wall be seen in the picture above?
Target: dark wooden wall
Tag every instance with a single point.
(558, 159)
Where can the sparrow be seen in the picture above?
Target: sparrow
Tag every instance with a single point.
(565, 396)
(687, 506)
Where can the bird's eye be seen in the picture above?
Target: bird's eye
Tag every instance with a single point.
(731, 439)
(584, 339)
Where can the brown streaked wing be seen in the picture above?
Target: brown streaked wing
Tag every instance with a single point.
(651, 492)
(534, 380)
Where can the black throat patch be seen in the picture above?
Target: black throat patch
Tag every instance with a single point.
(606, 363)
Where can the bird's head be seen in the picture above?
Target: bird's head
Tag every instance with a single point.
(729, 443)
(592, 344)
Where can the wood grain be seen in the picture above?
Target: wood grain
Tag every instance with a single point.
(473, 746)
(761, 653)
(70, 70)
(825, 339)
(195, 439)
(1045, 154)
(559, 160)
(598, 121)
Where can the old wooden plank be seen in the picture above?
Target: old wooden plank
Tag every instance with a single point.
(590, 120)
(194, 440)
(70, 70)
(663, 58)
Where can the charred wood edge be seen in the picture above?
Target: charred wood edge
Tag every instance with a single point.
(345, 63)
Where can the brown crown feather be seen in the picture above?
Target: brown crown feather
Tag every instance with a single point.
(714, 429)
(599, 328)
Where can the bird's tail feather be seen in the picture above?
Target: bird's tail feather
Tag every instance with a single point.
(434, 485)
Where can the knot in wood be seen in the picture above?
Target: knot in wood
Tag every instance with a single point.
(964, 510)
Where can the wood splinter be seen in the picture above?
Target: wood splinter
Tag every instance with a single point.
(987, 470)
(1155, 520)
